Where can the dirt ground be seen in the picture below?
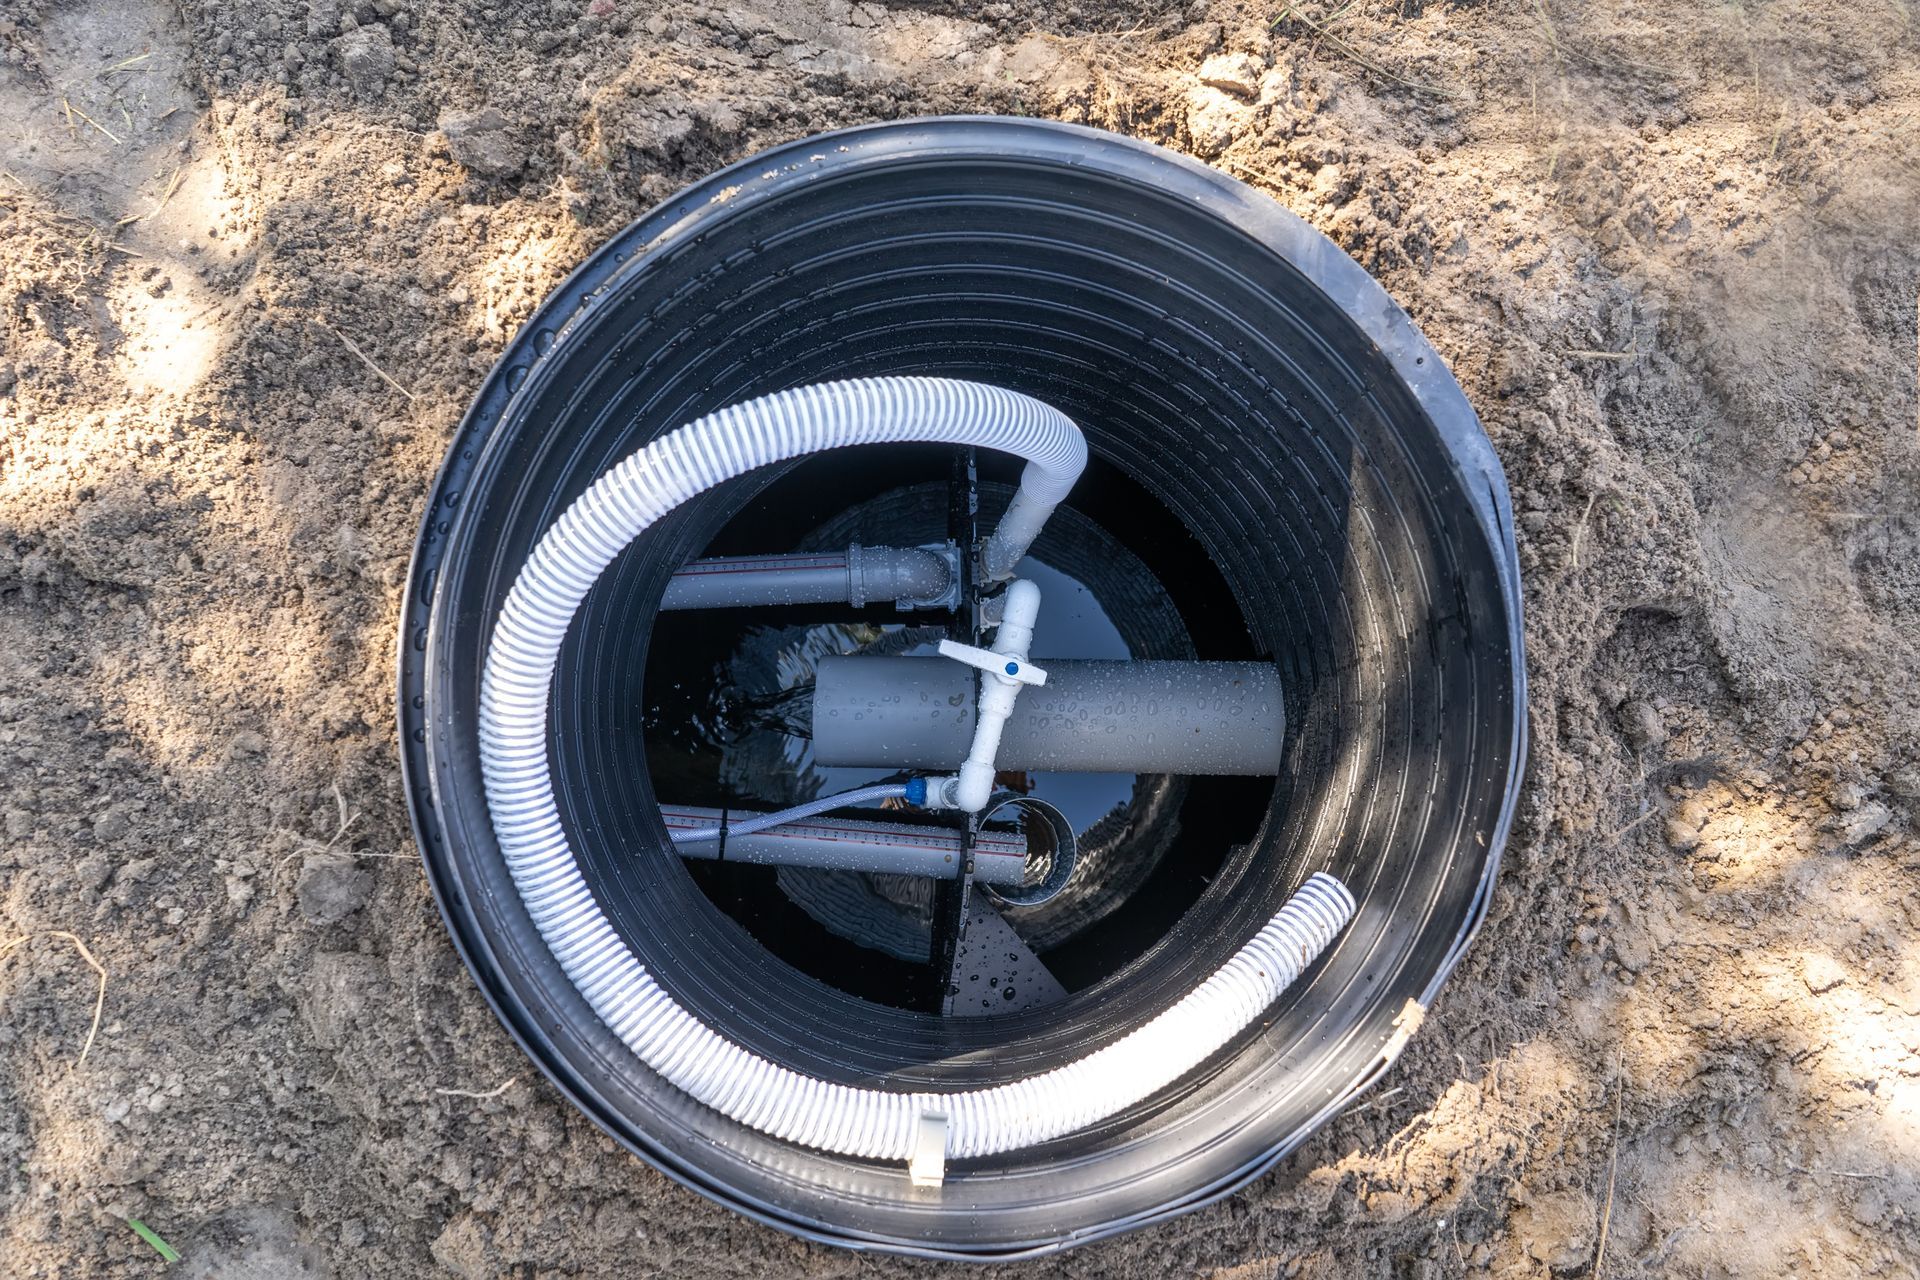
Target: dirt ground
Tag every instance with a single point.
(256, 256)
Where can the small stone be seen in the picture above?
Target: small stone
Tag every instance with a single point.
(340, 988)
(1329, 183)
(1821, 973)
(1213, 119)
(465, 1248)
(1235, 73)
(248, 745)
(1865, 822)
(1870, 1205)
(331, 888)
(127, 1163)
(323, 16)
(1633, 950)
(1642, 725)
(366, 57)
(139, 870)
(1684, 836)
(117, 1110)
(479, 141)
(111, 825)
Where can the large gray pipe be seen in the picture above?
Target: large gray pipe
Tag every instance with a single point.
(1089, 717)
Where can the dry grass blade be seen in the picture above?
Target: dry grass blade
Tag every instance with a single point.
(367, 360)
(1639, 821)
(1613, 1169)
(1836, 1173)
(1580, 531)
(343, 823)
(469, 1093)
(1553, 36)
(1253, 171)
(73, 111)
(173, 184)
(1322, 29)
(1562, 51)
(100, 997)
(1373, 1104)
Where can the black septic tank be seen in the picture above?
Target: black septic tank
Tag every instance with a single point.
(1285, 493)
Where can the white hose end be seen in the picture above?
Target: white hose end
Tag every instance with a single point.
(927, 1166)
(1043, 485)
(1007, 544)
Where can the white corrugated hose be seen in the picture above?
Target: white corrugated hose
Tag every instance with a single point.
(751, 1090)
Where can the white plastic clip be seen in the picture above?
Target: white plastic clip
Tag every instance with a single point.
(927, 1166)
(1405, 1023)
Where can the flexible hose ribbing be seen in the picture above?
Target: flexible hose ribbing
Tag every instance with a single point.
(670, 1040)
(766, 821)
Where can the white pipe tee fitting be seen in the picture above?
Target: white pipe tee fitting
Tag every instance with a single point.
(1004, 670)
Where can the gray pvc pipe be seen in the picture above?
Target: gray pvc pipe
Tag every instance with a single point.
(859, 575)
(1089, 717)
(852, 844)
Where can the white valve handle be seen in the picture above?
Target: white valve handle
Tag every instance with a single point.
(1020, 672)
(1006, 668)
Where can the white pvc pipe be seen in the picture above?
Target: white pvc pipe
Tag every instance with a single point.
(672, 1042)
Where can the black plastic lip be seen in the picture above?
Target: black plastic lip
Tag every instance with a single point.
(1408, 354)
